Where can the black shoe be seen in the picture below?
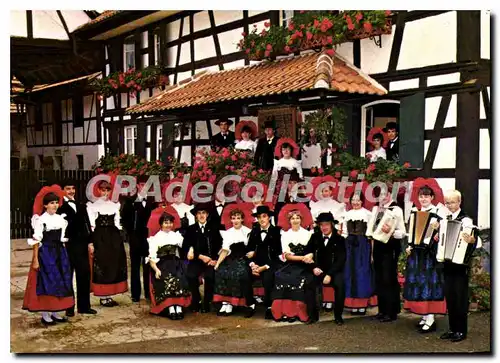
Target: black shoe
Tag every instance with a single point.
(447, 335)
(378, 316)
(431, 329)
(47, 323)
(171, 316)
(180, 315)
(387, 319)
(60, 320)
(310, 321)
(113, 302)
(70, 313)
(204, 310)
(194, 309)
(135, 299)
(292, 320)
(250, 312)
(339, 321)
(458, 337)
(328, 310)
(89, 311)
(268, 315)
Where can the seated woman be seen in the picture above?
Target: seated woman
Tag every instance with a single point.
(378, 151)
(169, 288)
(327, 202)
(286, 150)
(294, 293)
(246, 132)
(233, 276)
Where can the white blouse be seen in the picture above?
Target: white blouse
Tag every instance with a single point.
(233, 235)
(105, 207)
(302, 236)
(327, 205)
(361, 214)
(161, 239)
(52, 222)
(377, 154)
(289, 164)
(400, 230)
(184, 209)
(246, 145)
(311, 156)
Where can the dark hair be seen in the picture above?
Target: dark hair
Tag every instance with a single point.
(68, 182)
(165, 217)
(246, 129)
(360, 195)
(103, 184)
(50, 197)
(392, 126)
(237, 211)
(379, 136)
(426, 190)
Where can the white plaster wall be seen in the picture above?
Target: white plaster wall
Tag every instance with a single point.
(431, 111)
(485, 34)
(484, 191)
(406, 84)
(91, 153)
(345, 50)
(373, 58)
(484, 149)
(446, 155)
(443, 79)
(429, 41)
(446, 184)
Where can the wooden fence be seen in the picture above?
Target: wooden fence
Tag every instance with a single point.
(24, 184)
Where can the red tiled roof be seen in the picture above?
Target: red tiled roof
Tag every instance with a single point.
(266, 78)
(104, 15)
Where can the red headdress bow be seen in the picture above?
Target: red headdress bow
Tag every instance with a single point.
(250, 124)
(377, 130)
(38, 204)
(286, 140)
(431, 183)
(306, 222)
(318, 180)
(154, 219)
(95, 190)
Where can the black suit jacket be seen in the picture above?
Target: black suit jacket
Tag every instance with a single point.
(208, 244)
(218, 141)
(264, 154)
(213, 216)
(135, 219)
(393, 153)
(78, 230)
(267, 251)
(330, 258)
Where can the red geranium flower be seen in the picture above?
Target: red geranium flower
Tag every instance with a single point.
(316, 23)
(359, 16)
(330, 52)
(291, 26)
(267, 53)
(309, 35)
(353, 174)
(244, 34)
(368, 26)
(350, 24)
(267, 24)
(370, 168)
(247, 51)
(406, 165)
(387, 12)
(320, 170)
(269, 47)
(338, 174)
(287, 49)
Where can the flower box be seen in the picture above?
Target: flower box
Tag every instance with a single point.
(361, 33)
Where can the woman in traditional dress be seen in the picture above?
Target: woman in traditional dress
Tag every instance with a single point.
(294, 293)
(49, 288)
(376, 140)
(246, 132)
(109, 262)
(286, 150)
(359, 277)
(327, 202)
(423, 289)
(169, 285)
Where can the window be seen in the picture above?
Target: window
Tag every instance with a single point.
(130, 139)
(159, 136)
(59, 161)
(38, 117)
(287, 16)
(79, 158)
(157, 49)
(129, 53)
(77, 112)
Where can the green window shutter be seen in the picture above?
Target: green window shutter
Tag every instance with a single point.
(411, 130)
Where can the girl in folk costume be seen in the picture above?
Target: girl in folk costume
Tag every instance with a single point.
(327, 202)
(181, 202)
(109, 262)
(378, 140)
(359, 276)
(287, 151)
(294, 293)
(246, 132)
(49, 288)
(233, 276)
(424, 279)
(169, 288)
(311, 152)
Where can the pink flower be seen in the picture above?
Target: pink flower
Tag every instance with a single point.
(329, 39)
(387, 12)
(179, 174)
(309, 35)
(302, 11)
(267, 24)
(320, 170)
(247, 51)
(370, 168)
(406, 165)
(99, 170)
(263, 32)
(267, 53)
(353, 174)
(291, 26)
(287, 49)
(244, 34)
(330, 52)
(316, 23)
(254, 173)
(269, 47)
(234, 158)
(302, 26)
(359, 16)
(368, 26)
(337, 175)
(350, 24)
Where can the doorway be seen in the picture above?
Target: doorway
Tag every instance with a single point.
(377, 114)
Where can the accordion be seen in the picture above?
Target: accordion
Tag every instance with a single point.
(420, 232)
(451, 245)
(374, 228)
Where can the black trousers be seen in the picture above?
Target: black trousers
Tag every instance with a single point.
(456, 291)
(338, 284)
(385, 263)
(267, 278)
(136, 261)
(194, 271)
(79, 260)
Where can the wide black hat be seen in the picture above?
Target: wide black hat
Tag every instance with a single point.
(199, 207)
(325, 217)
(229, 122)
(263, 209)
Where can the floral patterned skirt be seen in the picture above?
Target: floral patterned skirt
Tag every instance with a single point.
(233, 281)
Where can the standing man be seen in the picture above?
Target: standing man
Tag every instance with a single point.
(224, 138)
(78, 234)
(392, 152)
(264, 154)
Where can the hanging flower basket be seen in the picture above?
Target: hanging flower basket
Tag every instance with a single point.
(363, 33)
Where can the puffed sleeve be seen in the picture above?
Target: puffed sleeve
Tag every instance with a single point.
(382, 154)
(92, 214)
(276, 167)
(178, 239)
(118, 217)
(64, 223)
(298, 166)
(400, 230)
(153, 248)
(285, 246)
(343, 224)
(226, 241)
(37, 225)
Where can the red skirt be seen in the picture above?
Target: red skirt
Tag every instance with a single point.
(105, 289)
(235, 301)
(183, 301)
(290, 309)
(349, 302)
(258, 291)
(33, 302)
(425, 307)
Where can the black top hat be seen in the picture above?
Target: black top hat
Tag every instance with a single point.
(263, 209)
(199, 207)
(391, 126)
(325, 217)
(271, 124)
(229, 122)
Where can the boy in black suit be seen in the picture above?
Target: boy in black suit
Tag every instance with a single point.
(224, 138)
(392, 152)
(264, 153)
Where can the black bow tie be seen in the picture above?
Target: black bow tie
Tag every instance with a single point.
(71, 201)
(220, 206)
(263, 231)
(326, 238)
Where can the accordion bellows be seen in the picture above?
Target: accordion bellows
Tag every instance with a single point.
(420, 230)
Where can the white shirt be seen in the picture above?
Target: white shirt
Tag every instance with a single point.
(361, 214)
(289, 164)
(233, 235)
(246, 145)
(311, 156)
(161, 239)
(104, 207)
(184, 210)
(377, 154)
(325, 240)
(391, 142)
(302, 236)
(52, 222)
(72, 204)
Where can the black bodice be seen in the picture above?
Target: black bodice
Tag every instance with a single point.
(105, 220)
(52, 236)
(356, 227)
(238, 250)
(167, 251)
(298, 249)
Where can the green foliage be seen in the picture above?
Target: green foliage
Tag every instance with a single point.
(129, 164)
